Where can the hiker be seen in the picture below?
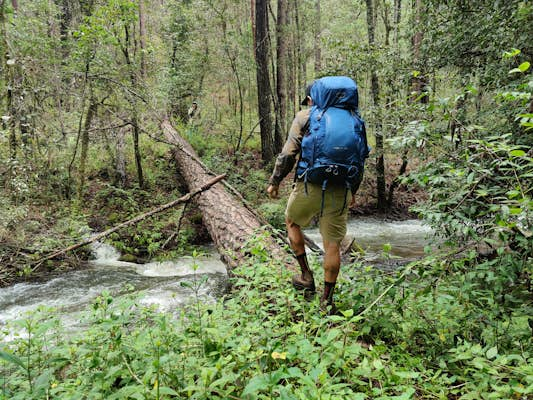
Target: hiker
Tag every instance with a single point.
(313, 195)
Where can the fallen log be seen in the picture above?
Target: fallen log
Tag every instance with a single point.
(134, 220)
(229, 222)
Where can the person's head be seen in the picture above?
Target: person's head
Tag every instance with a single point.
(307, 101)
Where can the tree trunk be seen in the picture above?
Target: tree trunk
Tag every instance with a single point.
(263, 80)
(252, 19)
(137, 150)
(292, 81)
(281, 75)
(386, 22)
(228, 221)
(397, 19)
(318, 55)
(300, 46)
(132, 100)
(142, 37)
(418, 82)
(64, 24)
(8, 123)
(120, 161)
(380, 161)
(91, 112)
(232, 58)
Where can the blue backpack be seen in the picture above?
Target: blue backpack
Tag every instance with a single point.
(335, 147)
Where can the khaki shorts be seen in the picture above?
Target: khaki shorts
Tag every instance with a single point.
(302, 207)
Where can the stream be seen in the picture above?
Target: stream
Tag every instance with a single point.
(159, 283)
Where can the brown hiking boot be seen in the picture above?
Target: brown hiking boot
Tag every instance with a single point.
(300, 283)
(328, 308)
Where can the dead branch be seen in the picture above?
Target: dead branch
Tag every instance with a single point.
(134, 220)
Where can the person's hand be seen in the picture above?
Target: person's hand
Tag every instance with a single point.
(352, 202)
(273, 191)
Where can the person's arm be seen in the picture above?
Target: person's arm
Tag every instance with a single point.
(287, 158)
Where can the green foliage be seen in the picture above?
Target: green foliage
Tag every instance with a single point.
(454, 36)
(274, 213)
(482, 193)
(480, 190)
(435, 335)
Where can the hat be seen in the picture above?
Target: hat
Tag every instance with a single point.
(307, 93)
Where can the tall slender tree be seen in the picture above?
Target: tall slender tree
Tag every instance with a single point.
(9, 67)
(91, 114)
(281, 75)
(397, 19)
(301, 49)
(133, 102)
(378, 130)
(318, 31)
(142, 37)
(263, 80)
(418, 82)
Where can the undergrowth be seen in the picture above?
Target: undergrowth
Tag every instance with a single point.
(437, 332)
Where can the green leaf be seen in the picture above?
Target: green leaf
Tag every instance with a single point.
(167, 390)
(407, 395)
(492, 352)
(348, 313)
(407, 374)
(255, 385)
(521, 68)
(43, 380)
(524, 66)
(377, 364)
(12, 359)
(517, 153)
(511, 54)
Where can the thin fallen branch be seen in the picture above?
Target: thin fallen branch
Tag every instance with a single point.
(132, 221)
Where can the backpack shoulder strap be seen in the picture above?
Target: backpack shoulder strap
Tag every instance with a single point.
(305, 130)
(365, 139)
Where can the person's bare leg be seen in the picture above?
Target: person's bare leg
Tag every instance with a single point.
(296, 237)
(332, 263)
(297, 241)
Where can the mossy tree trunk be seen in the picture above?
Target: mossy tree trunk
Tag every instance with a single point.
(91, 113)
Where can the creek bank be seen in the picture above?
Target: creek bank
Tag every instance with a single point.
(160, 283)
(167, 286)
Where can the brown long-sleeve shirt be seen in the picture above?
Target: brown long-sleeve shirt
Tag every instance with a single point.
(287, 158)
